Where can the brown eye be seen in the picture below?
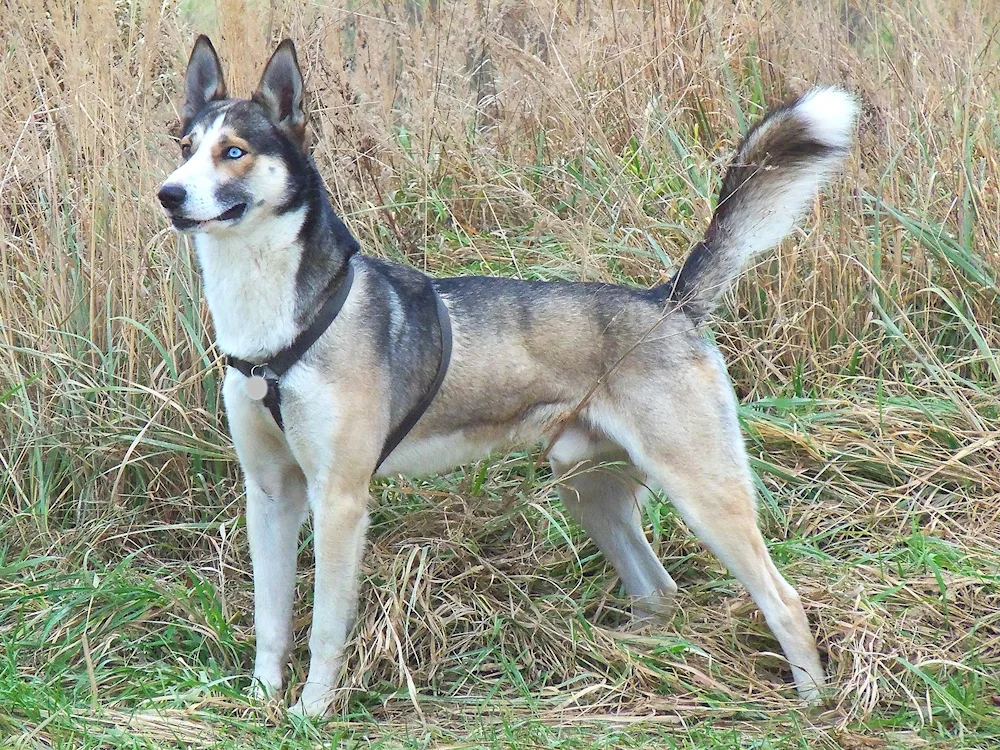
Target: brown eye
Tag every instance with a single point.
(185, 150)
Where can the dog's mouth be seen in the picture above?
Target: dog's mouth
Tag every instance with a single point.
(233, 214)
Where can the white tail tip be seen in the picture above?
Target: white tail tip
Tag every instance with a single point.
(830, 114)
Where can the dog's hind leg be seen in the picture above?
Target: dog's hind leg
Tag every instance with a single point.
(691, 445)
(720, 511)
(605, 500)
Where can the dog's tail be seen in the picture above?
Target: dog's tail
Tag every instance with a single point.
(777, 170)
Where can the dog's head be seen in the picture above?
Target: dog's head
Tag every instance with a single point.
(239, 155)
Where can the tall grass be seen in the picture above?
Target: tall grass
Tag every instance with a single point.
(534, 139)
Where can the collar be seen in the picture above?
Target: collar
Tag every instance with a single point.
(272, 370)
(282, 361)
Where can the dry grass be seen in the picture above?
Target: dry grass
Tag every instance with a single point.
(534, 139)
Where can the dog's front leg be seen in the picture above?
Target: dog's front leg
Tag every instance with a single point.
(273, 528)
(340, 519)
(276, 507)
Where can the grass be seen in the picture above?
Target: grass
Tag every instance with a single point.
(537, 140)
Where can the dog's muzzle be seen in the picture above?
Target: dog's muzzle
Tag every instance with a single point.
(172, 197)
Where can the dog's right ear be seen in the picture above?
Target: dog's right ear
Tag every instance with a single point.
(280, 92)
(203, 81)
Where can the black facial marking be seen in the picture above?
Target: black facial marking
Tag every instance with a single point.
(229, 194)
(206, 114)
(249, 121)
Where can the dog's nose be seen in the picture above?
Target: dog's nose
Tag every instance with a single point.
(171, 196)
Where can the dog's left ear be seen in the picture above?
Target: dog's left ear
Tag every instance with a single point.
(203, 82)
(280, 92)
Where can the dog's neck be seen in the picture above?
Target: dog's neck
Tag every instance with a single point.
(249, 282)
(263, 286)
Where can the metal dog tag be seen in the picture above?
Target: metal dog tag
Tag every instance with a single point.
(255, 387)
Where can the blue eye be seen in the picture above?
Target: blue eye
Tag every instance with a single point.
(235, 152)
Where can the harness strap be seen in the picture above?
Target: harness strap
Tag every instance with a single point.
(272, 399)
(280, 363)
(414, 415)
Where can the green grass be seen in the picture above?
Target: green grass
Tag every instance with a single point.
(138, 656)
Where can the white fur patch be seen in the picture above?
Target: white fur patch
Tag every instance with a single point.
(249, 281)
(830, 114)
(418, 455)
(433, 455)
(572, 447)
(199, 177)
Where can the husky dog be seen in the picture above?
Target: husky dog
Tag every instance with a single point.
(619, 382)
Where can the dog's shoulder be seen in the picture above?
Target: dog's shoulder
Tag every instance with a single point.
(399, 288)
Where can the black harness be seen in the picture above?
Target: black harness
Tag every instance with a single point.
(268, 374)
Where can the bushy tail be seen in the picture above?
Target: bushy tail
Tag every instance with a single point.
(777, 170)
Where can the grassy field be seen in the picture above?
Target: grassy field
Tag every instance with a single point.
(535, 139)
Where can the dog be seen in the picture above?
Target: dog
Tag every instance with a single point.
(619, 382)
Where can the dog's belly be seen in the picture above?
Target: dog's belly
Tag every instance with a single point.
(421, 453)
(436, 454)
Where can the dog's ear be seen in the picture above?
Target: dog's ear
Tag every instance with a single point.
(203, 81)
(280, 92)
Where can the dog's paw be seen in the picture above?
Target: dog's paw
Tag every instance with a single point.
(265, 694)
(314, 704)
(815, 696)
(258, 693)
